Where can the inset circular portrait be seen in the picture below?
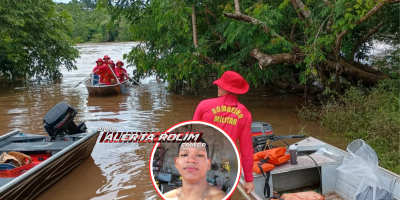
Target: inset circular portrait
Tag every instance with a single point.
(195, 160)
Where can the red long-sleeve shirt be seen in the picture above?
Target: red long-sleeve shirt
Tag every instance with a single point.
(106, 74)
(233, 117)
(121, 73)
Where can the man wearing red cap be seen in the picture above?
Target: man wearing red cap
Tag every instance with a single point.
(233, 117)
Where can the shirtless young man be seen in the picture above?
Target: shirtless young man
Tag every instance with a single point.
(192, 164)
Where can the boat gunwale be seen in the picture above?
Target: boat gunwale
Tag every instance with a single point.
(105, 86)
(30, 172)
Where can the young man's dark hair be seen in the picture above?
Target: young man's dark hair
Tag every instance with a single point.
(201, 140)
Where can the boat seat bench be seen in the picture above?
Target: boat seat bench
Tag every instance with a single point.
(36, 146)
(286, 176)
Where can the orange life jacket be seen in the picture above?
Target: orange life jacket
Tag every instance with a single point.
(265, 161)
(276, 156)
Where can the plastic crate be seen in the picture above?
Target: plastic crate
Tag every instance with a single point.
(16, 172)
(39, 158)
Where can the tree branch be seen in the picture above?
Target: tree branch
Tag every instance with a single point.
(237, 7)
(208, 21)
(196, 44)
(208, 60)
(265, 60)
(292, 32)
(374, 9)
(209, 12)
(221, 39)
(245, 18)
(296, 8)
(301, 7)
(241, 17)
(365, 38)
(367, 69)
(363, 19)
(352, 73)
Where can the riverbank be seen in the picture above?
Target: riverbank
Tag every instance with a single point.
(370, 114)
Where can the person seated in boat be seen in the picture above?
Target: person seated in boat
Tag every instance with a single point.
(109, 77)
(121, 72)
(99, 63)
(193, 164)
(106, 58)
(97, 72)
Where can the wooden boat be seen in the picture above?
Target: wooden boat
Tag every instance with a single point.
(335, 184)
(53, 155)
(103, 89)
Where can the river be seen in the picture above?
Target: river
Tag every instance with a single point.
(120, 171)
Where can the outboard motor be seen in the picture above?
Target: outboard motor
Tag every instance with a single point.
(59, 121)
(260, 133)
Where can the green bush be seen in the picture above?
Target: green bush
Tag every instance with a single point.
(371, 114)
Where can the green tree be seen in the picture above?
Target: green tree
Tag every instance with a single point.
(290, 44)
(94, 25)
(34, 39)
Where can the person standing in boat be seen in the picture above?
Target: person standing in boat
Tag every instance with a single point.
(193, 163)
(121, 72)
(233, 117)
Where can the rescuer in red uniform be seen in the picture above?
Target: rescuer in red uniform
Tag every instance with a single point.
(99, 63)
(97, 70)
(108, 75)
(233, 117)
(106, 58)
(120, 72)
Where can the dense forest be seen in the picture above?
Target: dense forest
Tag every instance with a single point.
(94, 25)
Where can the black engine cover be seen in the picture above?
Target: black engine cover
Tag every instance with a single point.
(60, 121)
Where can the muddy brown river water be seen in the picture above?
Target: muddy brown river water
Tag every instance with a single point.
(120, 171)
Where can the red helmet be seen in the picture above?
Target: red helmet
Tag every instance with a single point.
(122, 63)
(111, 62)
(99, 60)
(106, 57)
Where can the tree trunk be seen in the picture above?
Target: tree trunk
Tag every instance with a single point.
(353, 73)
(196, 44)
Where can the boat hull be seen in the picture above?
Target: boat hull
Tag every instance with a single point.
(334, 183)
(35, 181)
(104, 90)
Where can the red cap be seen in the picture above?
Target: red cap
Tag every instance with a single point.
(99, 60)
(120, 62)
(110, 62)
(106, 57)
(232, 82)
